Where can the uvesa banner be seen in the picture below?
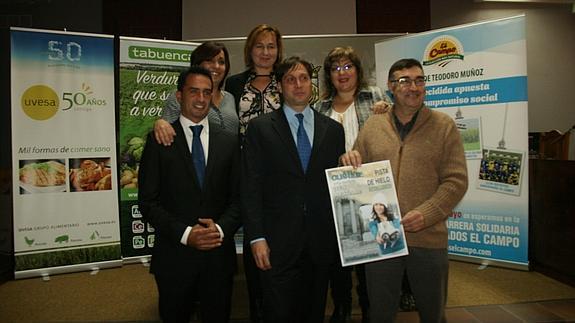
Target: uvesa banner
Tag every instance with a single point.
(149, 70)
(64, 152)
(477, 74)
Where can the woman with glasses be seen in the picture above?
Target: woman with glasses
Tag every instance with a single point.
(215, 58)
(350, 101)
(347, 97)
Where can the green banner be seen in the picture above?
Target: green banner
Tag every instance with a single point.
(148, 75)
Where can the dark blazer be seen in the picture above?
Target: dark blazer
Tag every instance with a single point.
(289, 208)
(235, 85)
(170, 199)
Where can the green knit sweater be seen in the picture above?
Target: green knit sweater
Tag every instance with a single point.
(429, 168)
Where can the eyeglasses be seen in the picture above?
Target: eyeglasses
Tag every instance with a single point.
(345, 68)
(406, 81)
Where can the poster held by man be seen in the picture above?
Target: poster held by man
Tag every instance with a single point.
(366, 213)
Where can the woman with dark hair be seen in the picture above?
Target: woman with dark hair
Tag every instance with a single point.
(256, 89)
(347, 97)
(382, 224)
(350, 101)
(214, 57)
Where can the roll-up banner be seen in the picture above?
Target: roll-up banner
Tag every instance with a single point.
(64, 152)
(149, 71)
(477, 74)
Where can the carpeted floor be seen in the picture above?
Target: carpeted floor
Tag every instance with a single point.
(129, 294)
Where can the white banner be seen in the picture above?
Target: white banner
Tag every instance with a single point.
(64, 152)
(477, 74)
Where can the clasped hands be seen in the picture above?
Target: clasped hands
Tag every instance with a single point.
(205, 235)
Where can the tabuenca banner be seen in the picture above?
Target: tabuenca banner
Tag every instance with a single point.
(477, 74)
(64, 152)
(149, 71)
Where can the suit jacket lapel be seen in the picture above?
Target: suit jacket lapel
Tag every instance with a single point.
(181, 145)
(281, 126)
(319, 131)
(213, 149)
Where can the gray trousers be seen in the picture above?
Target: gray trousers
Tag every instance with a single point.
(427, 271)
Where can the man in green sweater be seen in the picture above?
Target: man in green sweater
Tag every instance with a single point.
(430, 174)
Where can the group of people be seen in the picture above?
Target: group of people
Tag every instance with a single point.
(253, 153)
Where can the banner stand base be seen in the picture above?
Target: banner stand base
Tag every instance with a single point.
(45, 273)
(144, 260)
(484, 263)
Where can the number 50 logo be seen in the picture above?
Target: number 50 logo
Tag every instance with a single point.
(71, 51)
(72, 99)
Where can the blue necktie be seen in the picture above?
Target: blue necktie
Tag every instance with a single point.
(198, 154)
(303, 145)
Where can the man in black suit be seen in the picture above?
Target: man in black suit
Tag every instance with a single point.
(192, 200)
(288, 218)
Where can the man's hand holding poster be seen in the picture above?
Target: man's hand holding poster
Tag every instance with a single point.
(366, 213)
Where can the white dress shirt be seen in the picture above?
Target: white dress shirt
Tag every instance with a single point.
(204, 138)
(350, 123)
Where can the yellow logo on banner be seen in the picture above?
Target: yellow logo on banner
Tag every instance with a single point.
(443, 50)
(40, 102)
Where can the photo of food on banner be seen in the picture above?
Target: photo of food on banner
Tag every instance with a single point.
(90, 174)
(42, 176)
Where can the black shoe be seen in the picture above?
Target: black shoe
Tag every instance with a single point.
(257, 311)
(365, 316)
(407, 302)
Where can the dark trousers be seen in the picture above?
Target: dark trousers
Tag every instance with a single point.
(296, 292)
(341, 286)
(254, 285)
(177, 295)
(427, 271)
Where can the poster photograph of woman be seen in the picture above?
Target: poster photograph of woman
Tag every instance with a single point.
(366, 213)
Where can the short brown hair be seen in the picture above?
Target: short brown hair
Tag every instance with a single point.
(289, 63)
(194, 69)
(403, 64)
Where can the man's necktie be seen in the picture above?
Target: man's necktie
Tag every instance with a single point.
(198, 154)
(303, 145)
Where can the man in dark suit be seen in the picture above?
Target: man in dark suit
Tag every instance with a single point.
(189, 193)
(288, 218)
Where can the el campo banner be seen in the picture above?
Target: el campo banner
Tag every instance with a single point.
(477, 74)
(64, 152)
(149, 71)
